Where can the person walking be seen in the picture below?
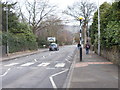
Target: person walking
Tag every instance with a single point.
(78, 45)
(87, 48)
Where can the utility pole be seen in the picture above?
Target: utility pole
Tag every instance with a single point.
(7, 48)
(98, 29)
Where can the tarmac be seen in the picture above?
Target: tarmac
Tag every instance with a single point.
(93, 73)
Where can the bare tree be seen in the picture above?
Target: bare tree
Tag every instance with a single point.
(52, 26)
(36, 13)
(84, 9)
(55, 28)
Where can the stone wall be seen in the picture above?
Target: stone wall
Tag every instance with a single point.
(112, 54)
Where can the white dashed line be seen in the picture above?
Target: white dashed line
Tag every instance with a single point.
(43, 56)
(43, 64)
(70, 57)
(5, 73)
(35, 60)
(67, 60)
(27, 64)
(50, 68)
(60, 65)
(12, 64)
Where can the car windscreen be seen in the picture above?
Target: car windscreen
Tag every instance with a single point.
(53, 45)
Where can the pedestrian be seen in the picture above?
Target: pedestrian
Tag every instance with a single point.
(87, 48)
(78, 45)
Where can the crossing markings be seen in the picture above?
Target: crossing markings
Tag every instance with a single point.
(60, 65)
(11, 64)
(43, 64)
(27, 64)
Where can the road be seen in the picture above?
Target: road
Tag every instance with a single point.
(47, 69)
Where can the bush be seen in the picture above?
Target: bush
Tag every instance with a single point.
(112, 33)
(20, 41)
(41, 41)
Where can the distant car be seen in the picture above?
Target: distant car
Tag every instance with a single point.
(53, 47)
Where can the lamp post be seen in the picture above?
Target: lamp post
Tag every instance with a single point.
(98, 29)
(80, 19)
(7, 47)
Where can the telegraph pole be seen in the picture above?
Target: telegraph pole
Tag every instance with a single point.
(7, 48)
(98, 29)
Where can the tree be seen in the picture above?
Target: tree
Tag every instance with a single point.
(37, 12)
(19, 37)
(12, 17)
(110, 25)
(84, 9)
(54, 28)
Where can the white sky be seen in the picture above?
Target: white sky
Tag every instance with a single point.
(62, 4)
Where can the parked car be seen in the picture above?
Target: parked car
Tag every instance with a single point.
(53, 47)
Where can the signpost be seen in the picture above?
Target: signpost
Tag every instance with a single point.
(51, 39)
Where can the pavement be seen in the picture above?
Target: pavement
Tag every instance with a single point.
(93, 72)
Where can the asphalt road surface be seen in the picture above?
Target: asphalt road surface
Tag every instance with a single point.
(47, 69)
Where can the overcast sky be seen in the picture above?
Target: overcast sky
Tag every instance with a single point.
(62, 4)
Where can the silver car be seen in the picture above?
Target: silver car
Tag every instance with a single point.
(53, 47)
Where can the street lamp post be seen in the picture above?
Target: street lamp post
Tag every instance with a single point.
(7, 48)
(80, 19)
(98, 29)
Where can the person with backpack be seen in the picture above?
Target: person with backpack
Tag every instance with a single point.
(87, 48)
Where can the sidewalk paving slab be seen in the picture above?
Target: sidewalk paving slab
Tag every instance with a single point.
(93, 72)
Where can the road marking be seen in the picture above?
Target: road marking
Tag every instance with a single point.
(43, 64)
(67, 60)
(60, 65)
(43, 56)
(5, 72)
(51, 77)
(69, 56)
(11, 64)
(53, 84)
(35, 60)
(27, 64)
(50, 68)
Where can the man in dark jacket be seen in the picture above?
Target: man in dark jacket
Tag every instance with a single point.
(87, 48)
(78, 45)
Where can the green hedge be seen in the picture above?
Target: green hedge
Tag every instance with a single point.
(20, 41)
